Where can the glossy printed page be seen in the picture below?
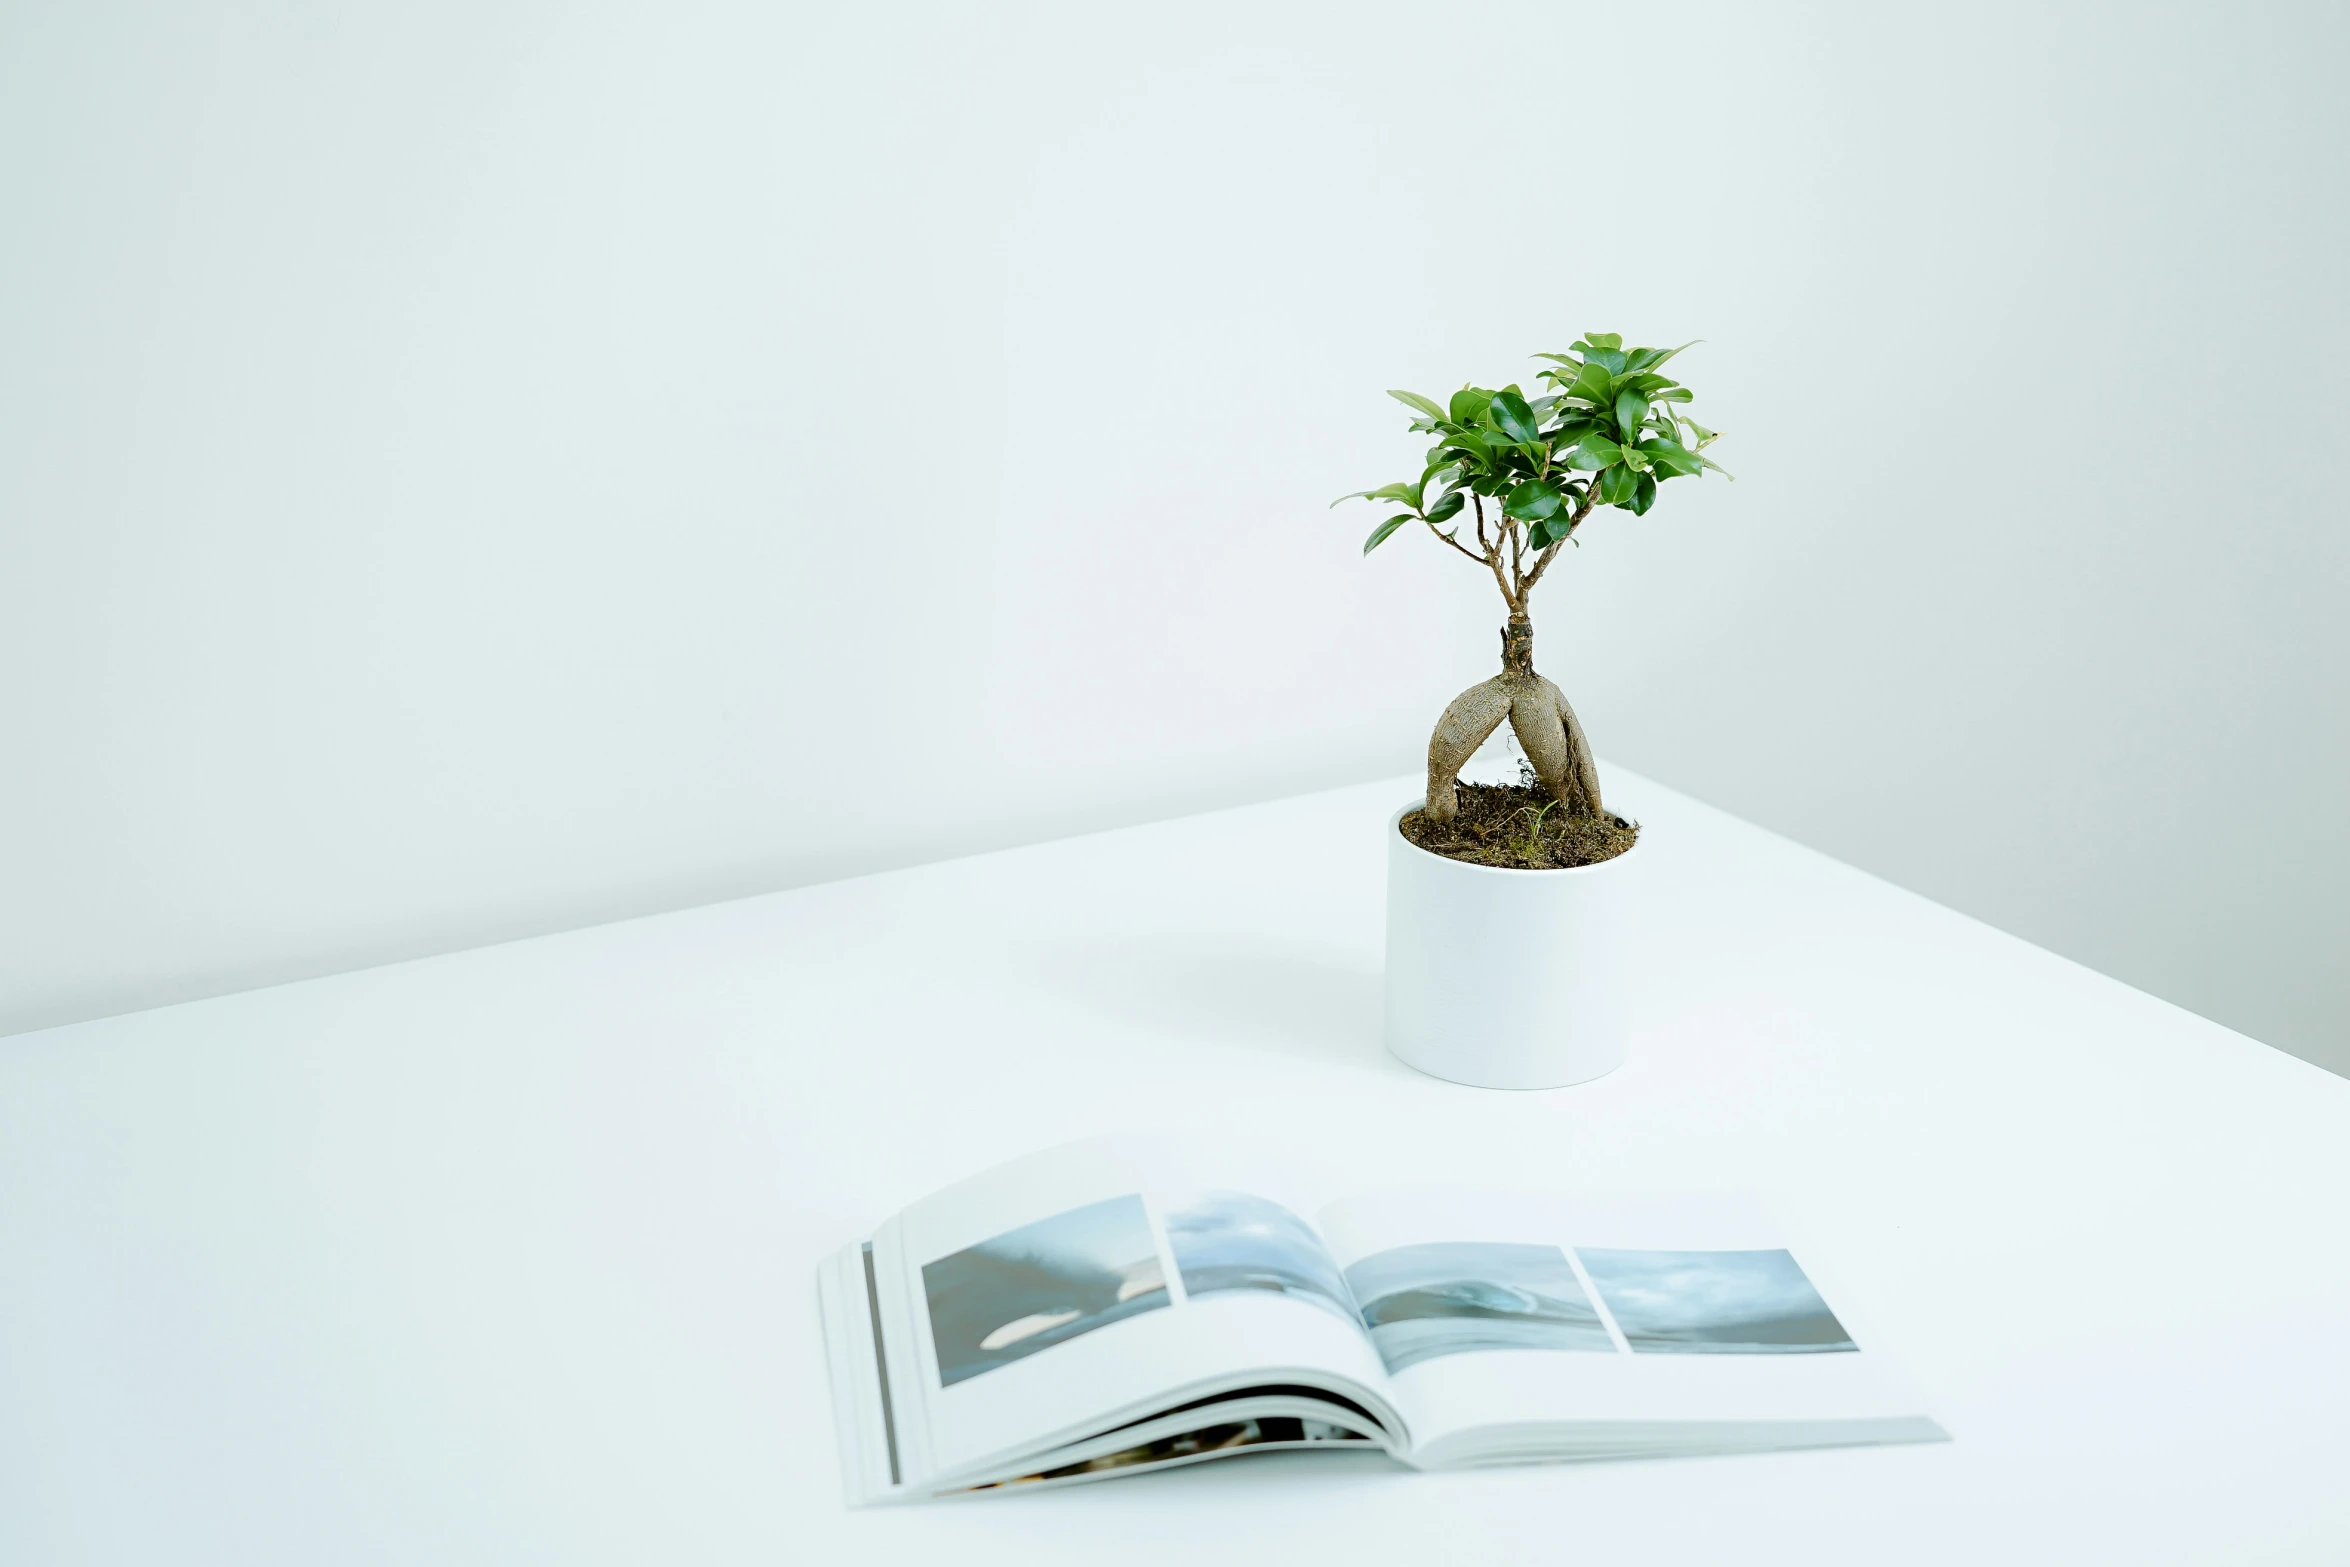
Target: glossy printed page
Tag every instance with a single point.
(1043, 1283)
(1042, 1300)
(1495, 1309)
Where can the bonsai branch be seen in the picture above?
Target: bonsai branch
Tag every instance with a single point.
(1492, 555)
(1542, 562)
(1454, 542)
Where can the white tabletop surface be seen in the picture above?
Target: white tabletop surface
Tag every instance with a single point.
(507, 1256)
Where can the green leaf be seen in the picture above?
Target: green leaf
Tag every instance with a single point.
(1534, 500)
(1594, 385)
(1670, 458)
(1468, 405)
(1510, 414)
(1425, 405)
(1644, 496)
(1473, 444)
(1400, 493)
(1379, 534)
(1670, 352)
(1447, 506)
(1631, 408)
(1594, 452)
(1649, 358)
(1618, 485)
(1602, 348)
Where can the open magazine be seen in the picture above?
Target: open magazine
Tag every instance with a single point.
(1107, 1308)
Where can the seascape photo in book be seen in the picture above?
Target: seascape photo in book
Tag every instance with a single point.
(1452, 1298)
(1232, 1241)
(1040, 1285)
(1714, 1303)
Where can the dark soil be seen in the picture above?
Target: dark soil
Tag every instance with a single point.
(1519, 827)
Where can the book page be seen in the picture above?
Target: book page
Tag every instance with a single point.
(1507, 1309)
(1047, 1299)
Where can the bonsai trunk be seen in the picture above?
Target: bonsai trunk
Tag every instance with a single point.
(1540, 717)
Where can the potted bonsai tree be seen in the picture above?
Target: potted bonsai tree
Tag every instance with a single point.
(1505, 901)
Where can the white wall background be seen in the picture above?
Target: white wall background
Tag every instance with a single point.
(468, 470)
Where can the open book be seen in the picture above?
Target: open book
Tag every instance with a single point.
(1105, 1308)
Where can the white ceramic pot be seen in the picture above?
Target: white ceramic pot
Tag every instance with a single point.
(1503, 978)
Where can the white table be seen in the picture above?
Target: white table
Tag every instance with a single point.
(506, 1256)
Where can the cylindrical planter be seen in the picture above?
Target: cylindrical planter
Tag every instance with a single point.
(1506, 978)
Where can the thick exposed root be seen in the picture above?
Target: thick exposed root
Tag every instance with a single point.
(1584, 768)
(1473, 715)
(1545, 726)
(1542, 735)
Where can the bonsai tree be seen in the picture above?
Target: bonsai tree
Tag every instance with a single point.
(1507, 484)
